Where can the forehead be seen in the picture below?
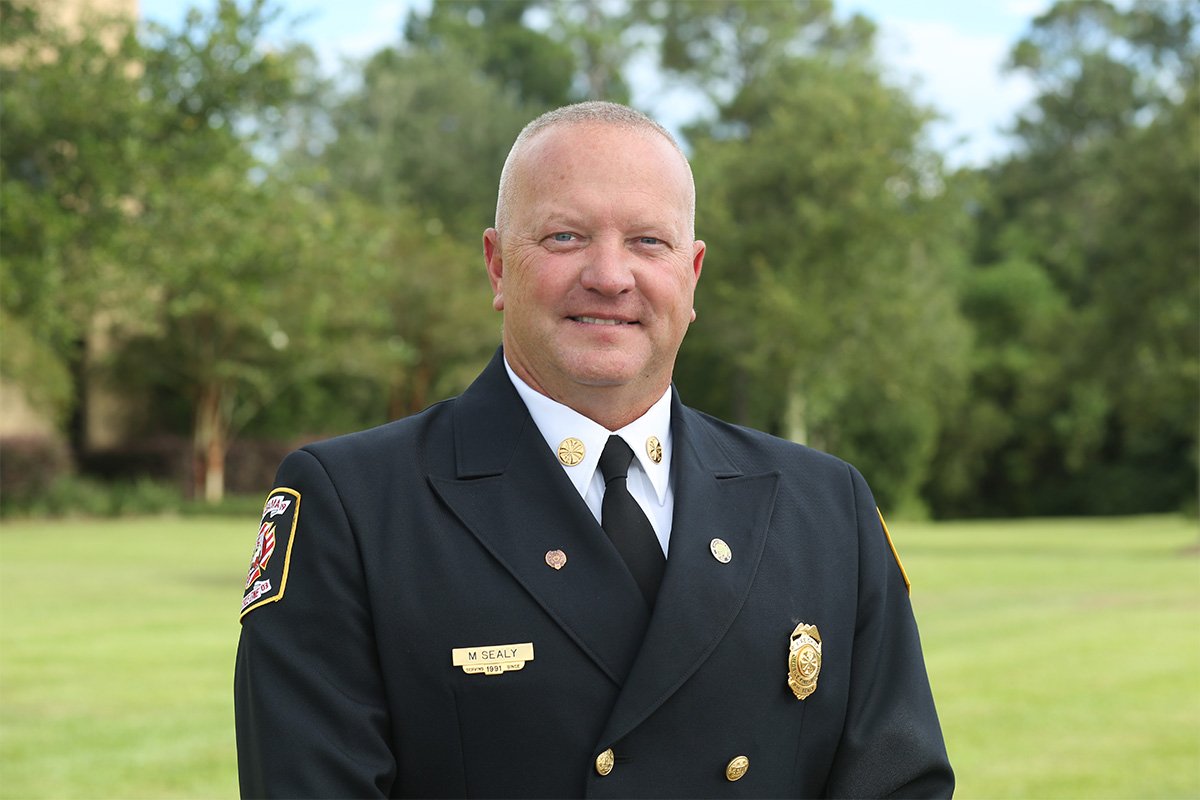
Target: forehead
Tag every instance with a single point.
(598, 165)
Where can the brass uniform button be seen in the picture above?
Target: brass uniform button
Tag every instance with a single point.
(736, 768)
(604, 762)
(720, 551)
(570, 451)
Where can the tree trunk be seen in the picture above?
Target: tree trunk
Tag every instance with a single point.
(420, 393)
(409, 393)
(795, 416)
(210, 442)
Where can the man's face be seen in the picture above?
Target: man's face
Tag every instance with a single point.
(596, 268)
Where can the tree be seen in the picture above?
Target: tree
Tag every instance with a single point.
(426, 131)
(68, 181)
(132, 196)
(430, 310)
(524, 62)
(827, 310)
(241, 303)
(1098, 208)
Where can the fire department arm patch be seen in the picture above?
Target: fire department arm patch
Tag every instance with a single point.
(266, 579)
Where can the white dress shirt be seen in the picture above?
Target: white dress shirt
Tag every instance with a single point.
(649, 483)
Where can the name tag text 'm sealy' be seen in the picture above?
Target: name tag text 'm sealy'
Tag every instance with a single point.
(492, 659)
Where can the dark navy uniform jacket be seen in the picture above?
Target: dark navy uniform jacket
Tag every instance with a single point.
(397, 545)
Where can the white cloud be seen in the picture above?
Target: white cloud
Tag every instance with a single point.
(960, 75)
(1026, 9)
(377, 25)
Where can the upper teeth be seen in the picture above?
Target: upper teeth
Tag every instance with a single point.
(598, 321)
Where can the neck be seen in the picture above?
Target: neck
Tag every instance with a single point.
(612, 410)
(613, 407)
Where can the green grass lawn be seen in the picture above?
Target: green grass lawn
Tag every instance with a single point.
(1065, 655)
(117, 642)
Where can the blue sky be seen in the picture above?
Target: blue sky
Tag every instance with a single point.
(950, 51)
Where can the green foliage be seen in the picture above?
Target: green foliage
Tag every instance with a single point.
(726, 46)
(424, 306)
(1087, 366)
(529, 64)
(238, 290)
(67, 184)
(29, 466)
(430, 131)
(35, 366)
(828, 289)
(603, 44)
(271, 252)
(80, 496)
(213, 77)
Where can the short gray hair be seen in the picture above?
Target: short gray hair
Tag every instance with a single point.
(594, 112)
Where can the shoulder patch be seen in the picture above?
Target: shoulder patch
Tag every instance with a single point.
(267, 576)
(895, 555)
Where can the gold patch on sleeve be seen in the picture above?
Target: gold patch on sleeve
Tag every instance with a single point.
(895, 555)
(492, 659)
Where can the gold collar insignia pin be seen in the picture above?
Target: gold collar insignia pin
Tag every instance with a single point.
(570, 451)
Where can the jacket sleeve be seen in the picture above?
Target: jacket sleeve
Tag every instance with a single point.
(892, 743)
(311, 715)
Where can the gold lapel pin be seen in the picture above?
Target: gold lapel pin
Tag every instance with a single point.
(570, 451)
(556, 558)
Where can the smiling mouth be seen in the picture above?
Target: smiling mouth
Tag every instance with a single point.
(599, 321)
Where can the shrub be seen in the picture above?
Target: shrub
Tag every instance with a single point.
(29, 466)
(78, 496)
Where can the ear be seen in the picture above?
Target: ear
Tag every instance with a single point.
(698, 250)
(495, 266)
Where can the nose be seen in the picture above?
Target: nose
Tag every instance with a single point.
(609, 268)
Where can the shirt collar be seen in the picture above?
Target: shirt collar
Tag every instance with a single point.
(557, 422)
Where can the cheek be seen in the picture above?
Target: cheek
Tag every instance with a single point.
(674, 291)
(531, 292)
(548, 284)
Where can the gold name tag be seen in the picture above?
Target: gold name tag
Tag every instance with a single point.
(494, 659)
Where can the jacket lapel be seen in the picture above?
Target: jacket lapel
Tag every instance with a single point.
(699, 597)
(512, 495)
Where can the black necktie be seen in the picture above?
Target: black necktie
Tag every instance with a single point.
(626, 524)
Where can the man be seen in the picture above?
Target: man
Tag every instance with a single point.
(474, 601)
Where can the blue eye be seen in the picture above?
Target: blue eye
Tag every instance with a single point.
(649, 240)
(563, 237)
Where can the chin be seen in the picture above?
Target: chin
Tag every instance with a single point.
(605, 370)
